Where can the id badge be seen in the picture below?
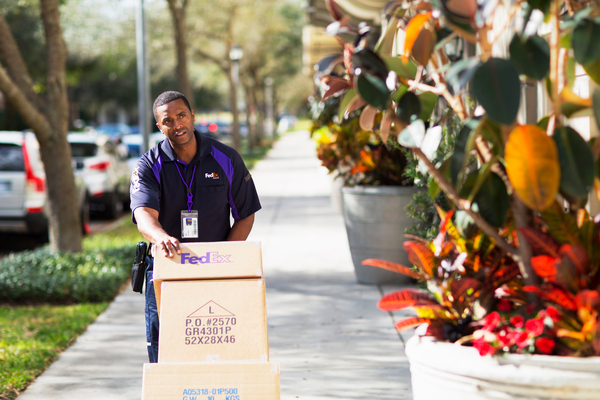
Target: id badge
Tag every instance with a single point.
(189, 224)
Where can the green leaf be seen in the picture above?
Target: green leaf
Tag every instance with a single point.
(465, 143)
(369, 62)
(531, 57)
(586, 40)
(576, 162)
(428, 101)
(561, 226)
(461, 73)
(373, 90)
(491, 196)
(346, 101)
(498, 89)
(403, 69)
(408, 106)
(596, 105)
(386, 41)
(490, 131)
(593, 70)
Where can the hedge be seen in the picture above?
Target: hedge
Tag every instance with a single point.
(41, 276)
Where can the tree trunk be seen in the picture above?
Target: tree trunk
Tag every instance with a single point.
(235, 126)
(250, 115)
(178, 14)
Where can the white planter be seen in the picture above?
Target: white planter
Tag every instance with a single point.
(448, 371)
(336, 194)
(375, 218)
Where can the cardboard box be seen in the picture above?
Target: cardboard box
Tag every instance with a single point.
(211, 381)
(213, 320)
(211, 260)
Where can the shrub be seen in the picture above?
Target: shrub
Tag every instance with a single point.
(41, 276)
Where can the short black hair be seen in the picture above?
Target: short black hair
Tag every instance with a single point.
(167, 97)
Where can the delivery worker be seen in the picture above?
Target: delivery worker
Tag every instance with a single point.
(184, 190)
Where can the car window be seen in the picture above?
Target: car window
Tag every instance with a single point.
(84, 149)
(11, 158)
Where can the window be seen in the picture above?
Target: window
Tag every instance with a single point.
(11, 158)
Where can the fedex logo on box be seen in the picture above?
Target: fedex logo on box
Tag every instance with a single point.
(211, 257)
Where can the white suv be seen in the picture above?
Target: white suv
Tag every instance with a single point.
(101, 164)
(23, 200)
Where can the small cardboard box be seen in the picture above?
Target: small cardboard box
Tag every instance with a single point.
(216, 381)
(210, 260)
(213, 320)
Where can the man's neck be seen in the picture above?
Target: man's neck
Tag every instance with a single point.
(187, 152)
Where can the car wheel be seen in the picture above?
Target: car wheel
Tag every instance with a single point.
(114, 206)
(85, 216)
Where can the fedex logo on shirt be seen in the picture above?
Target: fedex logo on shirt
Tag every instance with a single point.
(212, 175)
(211, 257)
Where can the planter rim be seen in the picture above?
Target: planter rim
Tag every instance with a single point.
(523, 369)
(381, 190)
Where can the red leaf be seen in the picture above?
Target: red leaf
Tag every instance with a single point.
(405, 298)
(392, 266)
(410, 322)
(421, 256)
(544, 266)
(577, 255)
(334, 85)
(588, 299)
(504, 274)
(540, 242)
(460, 288)
(334, 9)
(559, 296)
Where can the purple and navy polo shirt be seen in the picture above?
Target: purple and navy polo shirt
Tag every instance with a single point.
(221, 186)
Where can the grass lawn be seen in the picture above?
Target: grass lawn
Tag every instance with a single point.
(32, 336)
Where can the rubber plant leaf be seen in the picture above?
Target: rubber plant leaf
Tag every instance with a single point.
(571, 103)
(369, 62)
(531, 57)
(423, 46)
(413, 29)
(460, 11)
(491, 132)
(367, 118)
(334, 10)
(385, 43)
(585, 39)
(394, 267)
(561, 226)
(333, 86)
(554, 294)
(346, 101)
(577, 167)
(593, 70)
(408, 106)
(410, 322)
(465, 143)
(428, 101)
(373, 90)
(420, 256)
(328, 63)
(596, 105)
(405, 298)
(497, 88)
(532, 166)
(539, 242)
(461, 73)
(404, 68)
(488, 191)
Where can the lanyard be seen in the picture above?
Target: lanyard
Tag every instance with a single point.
(188, 187)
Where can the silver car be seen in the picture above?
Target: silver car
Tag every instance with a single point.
(23, 196)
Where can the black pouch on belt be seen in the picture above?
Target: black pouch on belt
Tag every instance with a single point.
(138, 270)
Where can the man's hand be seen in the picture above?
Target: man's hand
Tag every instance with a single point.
(149, 227)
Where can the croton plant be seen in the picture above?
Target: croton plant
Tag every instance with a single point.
(515, 266)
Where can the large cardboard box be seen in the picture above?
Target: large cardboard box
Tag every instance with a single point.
(213, 320)
(211, 260)
(211, 381)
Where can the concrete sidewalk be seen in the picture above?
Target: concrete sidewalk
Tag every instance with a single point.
(324, 329)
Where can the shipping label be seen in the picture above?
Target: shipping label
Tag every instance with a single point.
(211, 394)
(210, 324)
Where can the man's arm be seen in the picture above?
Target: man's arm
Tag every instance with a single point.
(150, 228)
(241, 228)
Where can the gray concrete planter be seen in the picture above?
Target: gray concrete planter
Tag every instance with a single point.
(441, 370)
(375, 220)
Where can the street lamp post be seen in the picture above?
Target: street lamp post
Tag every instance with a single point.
(142, 75)
(235, 55)
(269, 120)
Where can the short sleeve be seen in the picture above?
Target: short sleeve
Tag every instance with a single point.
(243, 192)
(144, 190)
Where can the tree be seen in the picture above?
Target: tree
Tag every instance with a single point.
(178, 12)
(48, 117)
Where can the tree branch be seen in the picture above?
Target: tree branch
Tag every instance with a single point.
(224, 66)
(15, 66)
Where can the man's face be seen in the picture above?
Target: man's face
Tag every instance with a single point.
(176, 122)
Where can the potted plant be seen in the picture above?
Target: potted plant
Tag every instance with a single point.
(512, 279)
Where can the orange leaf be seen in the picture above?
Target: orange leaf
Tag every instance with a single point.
(421, 256)
(544, 266)
(413, 29)
(532, 166)
(559, 296)
(577, 255)
(411, 322)
(392, 266)
(588, 299)
(540, 242)
(405, 298)
(504, 274)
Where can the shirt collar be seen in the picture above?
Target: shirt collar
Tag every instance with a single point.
(204, 148)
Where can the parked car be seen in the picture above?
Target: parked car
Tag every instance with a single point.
(101, 163)
(134, 146)
(114, 131)
(23, 196)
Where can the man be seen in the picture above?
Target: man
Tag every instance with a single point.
(184, 190)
